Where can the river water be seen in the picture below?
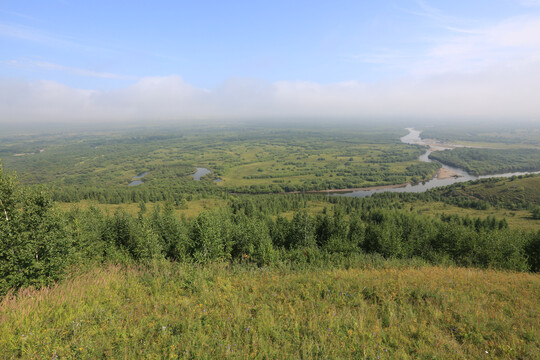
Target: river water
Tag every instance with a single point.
(413, 137)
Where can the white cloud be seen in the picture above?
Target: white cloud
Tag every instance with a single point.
(495, 93)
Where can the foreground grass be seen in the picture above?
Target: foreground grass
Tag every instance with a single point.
(217, 311)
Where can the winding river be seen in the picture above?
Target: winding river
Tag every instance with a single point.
(413, 137)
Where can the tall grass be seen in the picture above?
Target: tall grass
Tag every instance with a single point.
(174, 311)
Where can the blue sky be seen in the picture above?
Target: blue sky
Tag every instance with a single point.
(263, 58)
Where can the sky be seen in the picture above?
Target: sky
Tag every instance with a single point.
(102, 61)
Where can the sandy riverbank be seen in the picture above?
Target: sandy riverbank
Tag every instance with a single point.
(444, 173)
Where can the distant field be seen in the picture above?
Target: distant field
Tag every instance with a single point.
(253, 160)
(384, 311)
(516, 136)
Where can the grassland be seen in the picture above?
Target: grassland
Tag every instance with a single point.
(381, 310)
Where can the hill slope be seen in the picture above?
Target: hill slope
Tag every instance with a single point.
(181, 311)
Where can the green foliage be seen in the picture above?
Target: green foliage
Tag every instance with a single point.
(333, 233)
(210, 234)
(251, 241)
(260, 239)
(34, 247)
(532, 251)
(132, 236)
(301, 232)
(535, 213)
(172, 233)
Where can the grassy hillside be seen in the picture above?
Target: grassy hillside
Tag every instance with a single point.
(217, 311)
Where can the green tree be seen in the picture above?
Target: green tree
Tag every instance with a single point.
(535, 213)
(210, 233)
(251, 241)
(34, 247)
